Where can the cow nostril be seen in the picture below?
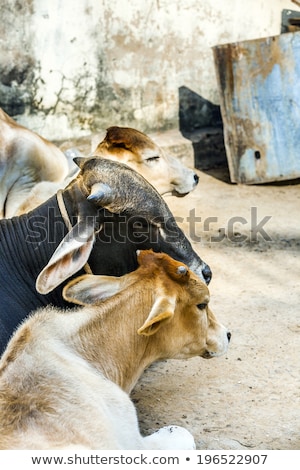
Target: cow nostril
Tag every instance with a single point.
(229, 336)
(196, 178)
(207, 274)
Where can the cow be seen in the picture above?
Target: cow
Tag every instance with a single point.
(26, 159)
(66, 376)
(96, 223)
(134, 148)
(32, 169)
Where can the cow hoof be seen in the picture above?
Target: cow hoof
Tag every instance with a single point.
(171, 437)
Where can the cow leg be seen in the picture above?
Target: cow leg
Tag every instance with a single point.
(170, 437)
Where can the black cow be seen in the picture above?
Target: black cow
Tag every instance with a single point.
(113, 211)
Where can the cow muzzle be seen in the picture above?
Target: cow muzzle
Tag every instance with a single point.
(207, 274)
(219, 345)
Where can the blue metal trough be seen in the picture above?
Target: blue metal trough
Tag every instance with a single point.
(259, 85)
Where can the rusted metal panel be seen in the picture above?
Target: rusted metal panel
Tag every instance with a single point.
(259, 85)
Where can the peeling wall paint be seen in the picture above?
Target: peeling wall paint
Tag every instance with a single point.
(71, 67)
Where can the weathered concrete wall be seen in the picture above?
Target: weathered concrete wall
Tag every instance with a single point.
(71, 67)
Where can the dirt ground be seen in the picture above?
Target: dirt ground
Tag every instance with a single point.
(250, 398)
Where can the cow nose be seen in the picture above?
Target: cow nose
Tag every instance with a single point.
(196, 178)
(228, 336)
(207, 274)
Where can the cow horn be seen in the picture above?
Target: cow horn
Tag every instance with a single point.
(100, 192)
(182, 270)
(80, 161)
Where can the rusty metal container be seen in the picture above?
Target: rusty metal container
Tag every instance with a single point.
(259, 86)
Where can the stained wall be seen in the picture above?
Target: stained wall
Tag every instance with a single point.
(72, 67)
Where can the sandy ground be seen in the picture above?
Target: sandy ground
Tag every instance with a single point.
(250, 398)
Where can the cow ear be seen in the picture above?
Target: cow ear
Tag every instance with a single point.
(89, 289)
(162, 310)
(70, 256)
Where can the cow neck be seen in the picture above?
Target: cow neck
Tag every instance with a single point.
(27, 243)
(124, 354)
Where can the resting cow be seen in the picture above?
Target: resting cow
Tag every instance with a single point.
(32, 169)
(65, 376)
(134, 148)
(113, 210)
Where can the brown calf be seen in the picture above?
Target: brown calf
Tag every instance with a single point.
(66, 375)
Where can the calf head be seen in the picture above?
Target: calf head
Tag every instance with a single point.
(178, 323)
(181, 311)
(137, 150)
(118, 212)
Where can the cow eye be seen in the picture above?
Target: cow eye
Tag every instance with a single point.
(153, 159)
(201, 306)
